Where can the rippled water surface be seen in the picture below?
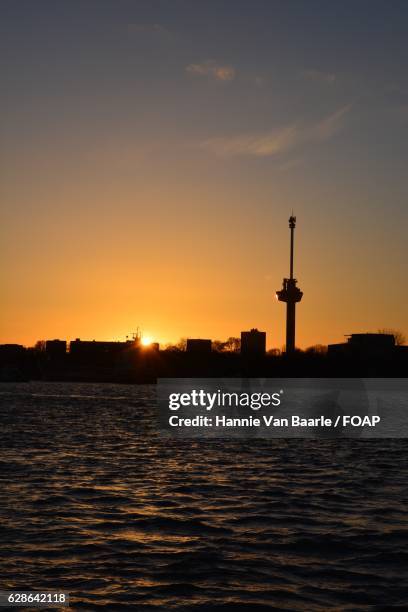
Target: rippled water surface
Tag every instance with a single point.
(96, 503)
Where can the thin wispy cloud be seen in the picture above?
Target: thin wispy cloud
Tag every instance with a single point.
(212, 69)
(259, 145)
(319, 76)
(279, 141)
(328, 126)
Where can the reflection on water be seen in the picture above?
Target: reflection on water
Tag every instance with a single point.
(96, 503)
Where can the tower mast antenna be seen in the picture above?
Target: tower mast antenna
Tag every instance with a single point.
(292, 225)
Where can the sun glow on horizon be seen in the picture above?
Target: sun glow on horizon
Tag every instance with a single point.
(146, 341)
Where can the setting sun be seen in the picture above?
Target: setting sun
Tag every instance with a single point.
(146, 341)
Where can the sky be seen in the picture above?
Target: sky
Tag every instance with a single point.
(151, 153)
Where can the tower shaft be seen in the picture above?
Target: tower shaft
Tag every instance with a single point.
(290, 326)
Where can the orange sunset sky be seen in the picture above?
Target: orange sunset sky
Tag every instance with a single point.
(151, 154)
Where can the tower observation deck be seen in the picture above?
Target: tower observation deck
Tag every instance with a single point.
(290, 294)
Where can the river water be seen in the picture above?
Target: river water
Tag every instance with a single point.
(95, 502)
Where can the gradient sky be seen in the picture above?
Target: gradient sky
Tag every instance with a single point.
(151, 154)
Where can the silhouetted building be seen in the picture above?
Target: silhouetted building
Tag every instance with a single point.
(402, 351)
(11, 352)
(12, 361)
(253, 342)
(198, 345)
(291, 294)
(95, 348)
(56, 348)
(367, 346)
